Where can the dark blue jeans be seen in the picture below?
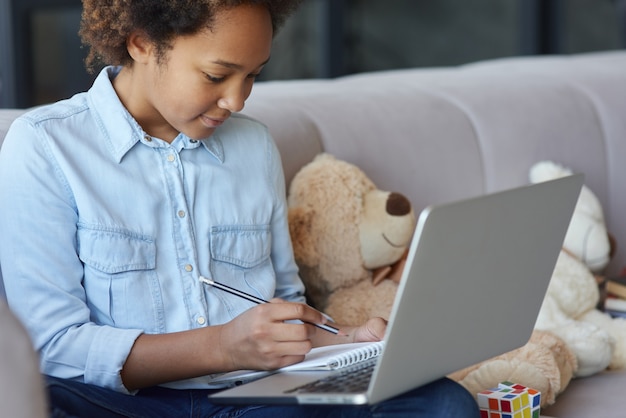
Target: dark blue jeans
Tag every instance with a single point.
(442, 398)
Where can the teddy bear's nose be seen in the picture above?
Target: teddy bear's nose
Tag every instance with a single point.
(397, 204)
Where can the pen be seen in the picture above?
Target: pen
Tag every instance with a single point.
(254, 299)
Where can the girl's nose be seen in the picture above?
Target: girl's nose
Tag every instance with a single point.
(233, 99)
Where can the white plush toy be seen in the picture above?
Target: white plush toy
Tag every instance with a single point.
(569, 308)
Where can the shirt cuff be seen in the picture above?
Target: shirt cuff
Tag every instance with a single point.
(109, 351)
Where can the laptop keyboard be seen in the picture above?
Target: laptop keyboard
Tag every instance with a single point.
(354, 379)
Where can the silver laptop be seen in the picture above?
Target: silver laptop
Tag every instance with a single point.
(474, 281)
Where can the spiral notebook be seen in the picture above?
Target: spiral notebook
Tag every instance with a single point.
(475, 277)
(331, 357)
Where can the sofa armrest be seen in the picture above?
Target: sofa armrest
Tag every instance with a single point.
(21, 386)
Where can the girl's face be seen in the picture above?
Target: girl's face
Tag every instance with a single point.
(202, 79)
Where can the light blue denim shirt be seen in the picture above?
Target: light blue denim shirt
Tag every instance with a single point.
(106, 230)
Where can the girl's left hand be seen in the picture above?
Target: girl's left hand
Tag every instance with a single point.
(373, 330)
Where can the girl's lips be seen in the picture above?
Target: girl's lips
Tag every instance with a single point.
(212, 122)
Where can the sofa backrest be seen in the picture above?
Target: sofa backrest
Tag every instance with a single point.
(6, 117)
(440, 134)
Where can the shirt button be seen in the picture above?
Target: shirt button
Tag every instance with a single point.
(171, 158)
(193, 141)
(201, 320)
(148, 138)
(181, 213)
(188, 268)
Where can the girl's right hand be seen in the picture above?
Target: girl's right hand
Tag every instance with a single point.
(263, 339)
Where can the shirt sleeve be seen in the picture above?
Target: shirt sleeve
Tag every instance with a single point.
(40, 265)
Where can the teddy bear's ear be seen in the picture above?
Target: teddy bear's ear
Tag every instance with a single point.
(300, 229)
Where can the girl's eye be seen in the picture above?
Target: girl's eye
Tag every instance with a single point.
(253, 76)
(215, 80)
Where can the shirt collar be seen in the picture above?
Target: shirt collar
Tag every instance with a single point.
(214, 145)
(121, 130)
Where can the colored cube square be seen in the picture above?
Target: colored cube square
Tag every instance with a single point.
(509, 400)
(505, 405)
(493, 403)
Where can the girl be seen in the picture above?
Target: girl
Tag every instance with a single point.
(118, 200)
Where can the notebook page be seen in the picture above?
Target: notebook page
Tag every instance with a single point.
(319, 358)
(337, 356)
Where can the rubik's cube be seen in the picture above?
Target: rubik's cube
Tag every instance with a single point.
(509, 400)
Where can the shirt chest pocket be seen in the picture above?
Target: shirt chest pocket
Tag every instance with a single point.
(245, 246)
(113, 252)
(120, 278)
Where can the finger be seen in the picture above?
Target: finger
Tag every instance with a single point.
(283, 361)
(278, 324)
(377, 328)
(286, 353)
(373, 330)
(294, 331)
(288, 311)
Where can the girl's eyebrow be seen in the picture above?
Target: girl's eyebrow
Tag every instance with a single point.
(235, 66)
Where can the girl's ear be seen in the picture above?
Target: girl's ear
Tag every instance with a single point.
(139, 47)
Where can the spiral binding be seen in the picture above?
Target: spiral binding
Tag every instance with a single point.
(355, 356)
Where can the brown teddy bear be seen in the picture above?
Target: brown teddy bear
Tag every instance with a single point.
(347, 236)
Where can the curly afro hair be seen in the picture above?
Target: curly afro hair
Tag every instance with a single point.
(106, 24)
